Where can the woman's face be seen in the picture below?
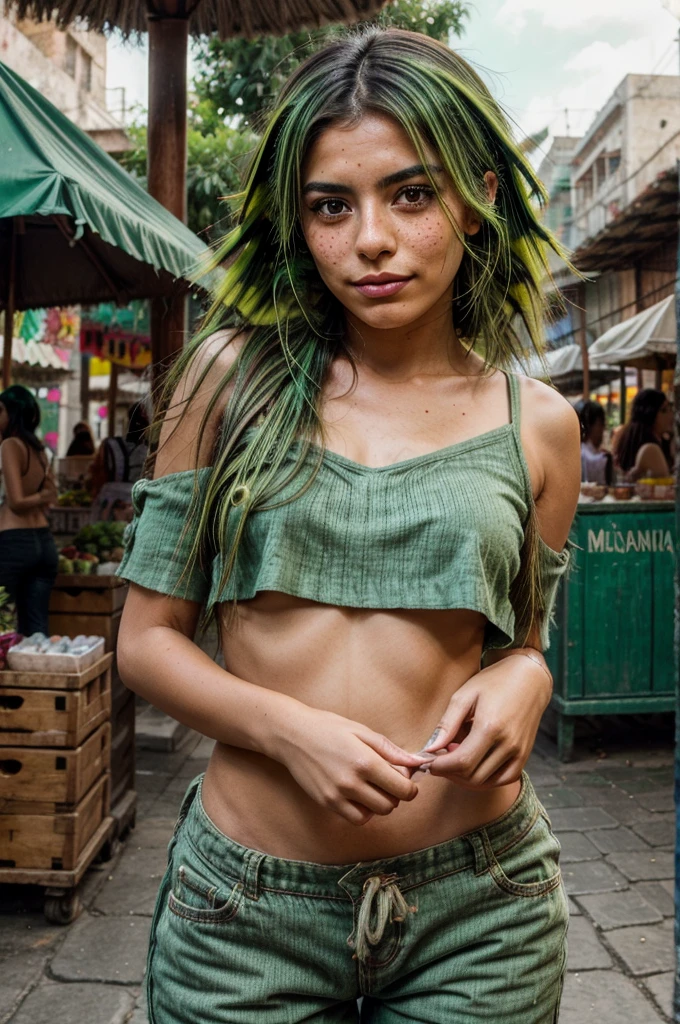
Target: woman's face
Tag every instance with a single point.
(4, 420)
(663, 424)
(380, 240)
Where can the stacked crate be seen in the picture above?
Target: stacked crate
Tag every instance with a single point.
(93, 605)
(55, 752)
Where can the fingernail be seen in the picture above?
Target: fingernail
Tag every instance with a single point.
(432, 738)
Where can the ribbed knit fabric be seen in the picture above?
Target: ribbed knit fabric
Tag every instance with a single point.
(437, 531)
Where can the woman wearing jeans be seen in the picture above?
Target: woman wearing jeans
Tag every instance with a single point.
(368, 503)
(28, 554)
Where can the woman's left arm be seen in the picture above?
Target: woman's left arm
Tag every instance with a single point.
(489, 727)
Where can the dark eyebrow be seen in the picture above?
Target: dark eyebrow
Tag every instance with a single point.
(333, 187)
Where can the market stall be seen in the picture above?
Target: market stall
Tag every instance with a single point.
(646, 341)
(74, 228)
(563, 367)
(611, 649)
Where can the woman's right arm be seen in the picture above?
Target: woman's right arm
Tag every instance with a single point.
(341, 764)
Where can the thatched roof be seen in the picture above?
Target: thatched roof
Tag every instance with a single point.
(228, 18)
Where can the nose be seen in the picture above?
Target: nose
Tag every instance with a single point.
(375, 234)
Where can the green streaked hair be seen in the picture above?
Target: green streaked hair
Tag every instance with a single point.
(291, 327)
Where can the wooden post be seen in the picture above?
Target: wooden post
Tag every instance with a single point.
(8, 329)
(583, 342)
(113, 393)
(85, 388)
(167, 162)
(622, 394)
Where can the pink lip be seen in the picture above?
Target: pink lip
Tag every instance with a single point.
(377, 288)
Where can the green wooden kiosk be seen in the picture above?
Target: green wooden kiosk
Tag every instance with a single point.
(611, 646)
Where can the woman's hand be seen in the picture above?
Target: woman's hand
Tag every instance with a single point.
(489, 727)
(347, 768)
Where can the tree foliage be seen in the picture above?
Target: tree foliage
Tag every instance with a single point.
(217, 155)
(240, 77)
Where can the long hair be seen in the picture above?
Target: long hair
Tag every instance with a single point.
(639, 430)
(292, 327)
(24, 415)
(589, 413)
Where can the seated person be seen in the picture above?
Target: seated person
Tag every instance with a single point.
(642, 448)
(596, 463)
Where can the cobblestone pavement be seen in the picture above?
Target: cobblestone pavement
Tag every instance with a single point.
(612, 808)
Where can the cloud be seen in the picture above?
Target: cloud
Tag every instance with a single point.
(595, 70)
(578, 15)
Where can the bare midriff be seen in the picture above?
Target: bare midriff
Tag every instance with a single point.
(393, 671)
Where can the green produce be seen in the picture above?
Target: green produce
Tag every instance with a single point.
(98, 538)
(83, 566)
(7, 613)
(65, 565)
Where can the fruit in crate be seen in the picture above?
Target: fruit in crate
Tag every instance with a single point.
(75, 498)
(7, 612)
(104, 540)
(7, 640)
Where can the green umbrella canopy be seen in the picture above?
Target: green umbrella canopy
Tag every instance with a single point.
(80, 227)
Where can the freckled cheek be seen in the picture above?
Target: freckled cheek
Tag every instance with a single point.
(433, 241)
(329, 249)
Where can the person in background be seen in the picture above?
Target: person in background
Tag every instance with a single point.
(596, 462)
(28, 554)
(643, 447)
(83, 441)
(118, 464)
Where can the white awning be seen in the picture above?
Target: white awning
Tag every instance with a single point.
(649, 333)
(562, 363)
(35, 353)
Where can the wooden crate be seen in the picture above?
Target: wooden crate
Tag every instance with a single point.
(67, 521)
(123, 750)
(46, 780)
(53, 842)
(54, 718)
(55, 680)
(66, 624)
(87, 595)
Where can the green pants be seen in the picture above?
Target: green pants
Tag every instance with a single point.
(467, 931)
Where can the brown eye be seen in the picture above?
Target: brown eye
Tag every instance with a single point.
(330, 207)
(415, 195)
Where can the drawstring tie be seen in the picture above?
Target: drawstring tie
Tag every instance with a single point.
(382, 901)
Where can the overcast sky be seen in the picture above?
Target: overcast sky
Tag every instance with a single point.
(538, 56)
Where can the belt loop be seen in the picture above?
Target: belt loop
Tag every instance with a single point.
(476, 841)
(251, 873)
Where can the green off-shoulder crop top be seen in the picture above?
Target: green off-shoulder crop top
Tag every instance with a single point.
(442, 530)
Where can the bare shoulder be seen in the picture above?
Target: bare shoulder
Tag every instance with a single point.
(195, 411)
(12, 449)
(545, 411)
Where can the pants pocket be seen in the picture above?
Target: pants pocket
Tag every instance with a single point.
(196, 897)
(529, 866)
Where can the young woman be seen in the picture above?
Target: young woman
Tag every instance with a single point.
(368, 503)
(28, 554)
(642, 448)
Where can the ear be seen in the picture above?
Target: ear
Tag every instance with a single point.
(473, 223)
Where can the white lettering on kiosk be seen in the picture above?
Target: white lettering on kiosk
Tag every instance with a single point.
(614, 542)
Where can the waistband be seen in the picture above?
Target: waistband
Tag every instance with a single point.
(25, 531)
(260, 871)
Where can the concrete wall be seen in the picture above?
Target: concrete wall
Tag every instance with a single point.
(29, 56)
(81, 54)
(634, 137)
